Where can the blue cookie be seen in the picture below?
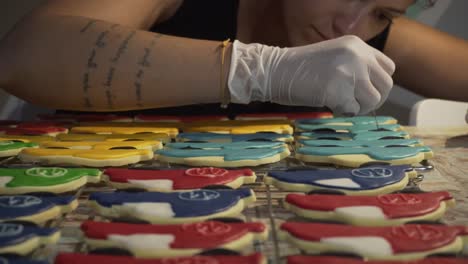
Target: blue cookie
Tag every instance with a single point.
(362, 181)
(370, 135)
(355, 120)
(175, 207)
(35, 209)
(15, 260)
(21, 239)
(350, 129)
(361, 143)
(358, 156)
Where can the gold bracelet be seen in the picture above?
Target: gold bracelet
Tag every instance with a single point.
(224, 94)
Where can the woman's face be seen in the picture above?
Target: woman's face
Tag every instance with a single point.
(310, 21)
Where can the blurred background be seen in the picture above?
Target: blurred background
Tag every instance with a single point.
(447, 15)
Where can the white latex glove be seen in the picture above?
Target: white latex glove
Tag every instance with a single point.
(344, 74)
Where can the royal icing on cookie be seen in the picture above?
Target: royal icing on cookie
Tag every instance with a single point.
(184, 207)
(285, 116)
(26, 207)
(36, 130)
(15, 181)
(361, 143)
(342, 260)
(388, 209)
(404, 242)
(160, 240)
(228, 138)
(86, 118)
(91, 158)
(12, 148)
(241, 127)
(26, 139)
(105, 145)
(355, 157)
(184, 119)
(71, 258)
(115, 137)
(18, 260)
(349, 121)
(13, 236)
(370, 135)
(349, 129)
(118, 129)
(361, 181)
(169, 180)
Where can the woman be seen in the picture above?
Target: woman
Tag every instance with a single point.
(99, 56)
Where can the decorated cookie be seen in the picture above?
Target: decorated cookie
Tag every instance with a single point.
(35, 209)
(362, 181)
(356, 157)
(10, 148)
(381, 210)
(406, 242)
(338, 260)
(21, 239)
(8, 123)
(71, 258)
(241, 127)
(347, 129)
(237, 154)
(162, 137)
(370, 135)
(120, 128)
(45, 179)
(177, 180)
(183, 119)
(228, 138)
(86, 118)
(104, 145)
(18, 260)
(361, 143)
(285, 116)
(155, 241)
(36, 130)
(83, 157)
(26, 139)
(350, 121)
(172, 208)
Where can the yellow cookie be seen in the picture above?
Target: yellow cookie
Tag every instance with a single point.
(91, 158)
(241, 127)
(106, 145)
(163, 137)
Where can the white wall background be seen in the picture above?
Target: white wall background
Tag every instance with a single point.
(448, 15)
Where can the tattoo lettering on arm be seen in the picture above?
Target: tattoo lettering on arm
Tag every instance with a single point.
(144, 63)
(91, 63)
(88, 26)
(123, 47)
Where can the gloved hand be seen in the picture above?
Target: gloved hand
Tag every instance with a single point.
(344, 74)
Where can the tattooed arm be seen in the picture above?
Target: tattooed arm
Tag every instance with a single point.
(78, 63)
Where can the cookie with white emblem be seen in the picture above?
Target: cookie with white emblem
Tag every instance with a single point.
(18, 260)
(156, 241)
(70, 258)
(381, 210)
(172, 208)
(340, 260)
(10, 148)
(405, 242)
(18, 239)
(368, 135)
(362, 181)
(179, 179)
(237, 154)
(35, 209)
(45, 179)
(376, 152)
